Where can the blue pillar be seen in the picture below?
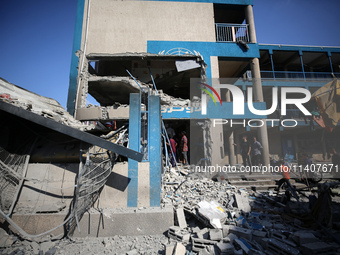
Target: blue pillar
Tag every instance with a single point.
(155, 153)
(72, 89)
(134, 144)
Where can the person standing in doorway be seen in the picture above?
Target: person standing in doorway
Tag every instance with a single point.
(256, 150)
(245, 150)
(173, 158)
(184, 147)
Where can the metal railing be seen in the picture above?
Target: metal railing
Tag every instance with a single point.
(290, 114)
(284, 75)
(231, 32)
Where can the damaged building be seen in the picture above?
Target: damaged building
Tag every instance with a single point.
(109, 63)
(102, 168)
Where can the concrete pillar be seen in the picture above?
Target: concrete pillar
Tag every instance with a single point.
(216, 133)
(257, 85)
(232, 158)
(231, 148)
(251, 23)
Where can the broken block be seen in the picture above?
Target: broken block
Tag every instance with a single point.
(231, 237)
(177, 234)
(258, 235)
(273, 245)
(179, 249)
(215, 234)
(201, 244)
(242, 203)
(225, 248)
(182, 223)
(203, 234)
(318, 248)
(304, 237)
(243, 245)
(225, 230)
(169, 249)
(5, 239)
(241, 232)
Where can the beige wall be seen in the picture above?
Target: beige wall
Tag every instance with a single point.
(126, 26)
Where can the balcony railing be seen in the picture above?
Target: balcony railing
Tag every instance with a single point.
(290, 114)
(231, 32)
(285, 75)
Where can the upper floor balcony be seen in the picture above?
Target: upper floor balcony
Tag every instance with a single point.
(231, 32)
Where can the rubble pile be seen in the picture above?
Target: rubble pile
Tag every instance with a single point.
(213, 217)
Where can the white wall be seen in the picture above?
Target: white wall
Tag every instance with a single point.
(126, 26)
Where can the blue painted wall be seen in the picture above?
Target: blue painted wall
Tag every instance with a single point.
(155, 150)
(72, 90)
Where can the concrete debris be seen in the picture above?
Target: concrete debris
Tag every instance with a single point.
(47, 107)
(224, 219)
(181, 218)
(266, 228)
(5, 239)
(179, 249)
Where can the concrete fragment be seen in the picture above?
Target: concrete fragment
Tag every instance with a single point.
(182, 223)
(225, 248)
(243, 245)
(215, 234)
(179, 249)
(304, 237)
(225, 230)
(266, 224)
(177, 234)
(238, 252)
(35, 246)
(45, 246)
(195, 229)
(273, 245)
(169, 249)
(203, 234)
(255, 252)
(51, 251)
(5, 239)
(242, 203)
(258, 235)
(318, 248)
(231, 237)
(241, 232)
(201, 244)
(207, 251)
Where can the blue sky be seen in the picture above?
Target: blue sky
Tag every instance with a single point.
(37, 36)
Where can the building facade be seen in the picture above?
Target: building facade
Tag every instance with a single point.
(117, 41)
